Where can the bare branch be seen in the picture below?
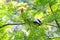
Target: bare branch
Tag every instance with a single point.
(53, 37)
(11, 24)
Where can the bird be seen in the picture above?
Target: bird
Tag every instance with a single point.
(37, 21)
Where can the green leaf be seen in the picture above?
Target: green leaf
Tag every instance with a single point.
(41, 2)
(53, 2)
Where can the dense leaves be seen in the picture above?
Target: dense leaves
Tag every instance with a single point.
(19, 17)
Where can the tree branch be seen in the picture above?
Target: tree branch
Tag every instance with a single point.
(53, 37)
(11, 24)
(53, 15)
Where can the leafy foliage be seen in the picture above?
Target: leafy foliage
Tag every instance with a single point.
(48, 11)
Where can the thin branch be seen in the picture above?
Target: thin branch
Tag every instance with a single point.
(53, 15)
(53, 37)
(11, 24)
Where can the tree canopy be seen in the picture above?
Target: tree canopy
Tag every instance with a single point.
(17, 19)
